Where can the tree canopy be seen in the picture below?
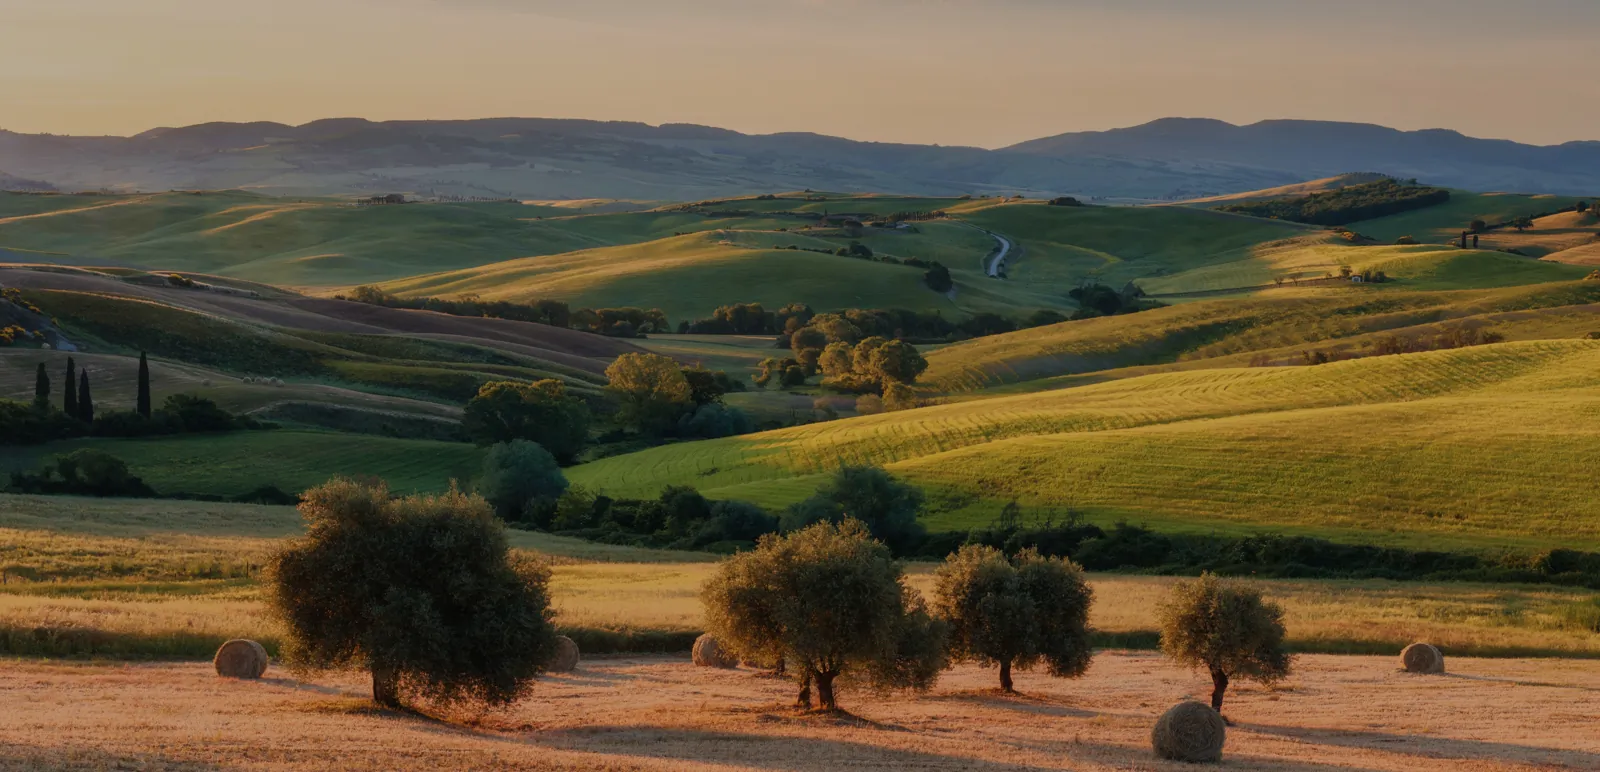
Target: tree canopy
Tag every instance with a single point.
(1225, 627)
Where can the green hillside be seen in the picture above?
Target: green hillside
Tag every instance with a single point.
(1400, 448)
(237, 463)
(1444, 223)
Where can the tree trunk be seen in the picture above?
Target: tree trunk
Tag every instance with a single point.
(1005, 675)
(803, 702)
(386, 687)
(825, 690)
(1219, 686)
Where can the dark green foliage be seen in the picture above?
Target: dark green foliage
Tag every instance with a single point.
(1226, 628)
(708, 422)
(828, 601)
(69, 402)
(987, 323)
(518, 477)
(938, 278)
(541, 412)
(889, 508)
(142, 404)
(85, 399)
(708, 386)
(423, 592)
(1015, 611)
(1346, 205)
(41, 388)
(83, 472)
(1064, 201)
(1582, 206)
(1096, 299)
(1043, 318)
(27, 424)
(550, 312)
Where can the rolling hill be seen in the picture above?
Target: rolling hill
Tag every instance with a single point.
(534, 158)
(1418, 448)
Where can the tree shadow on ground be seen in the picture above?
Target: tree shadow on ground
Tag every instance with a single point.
(1433, 747)
(1517, 682)
(777, 752)
(1018, 701)
(19, 756)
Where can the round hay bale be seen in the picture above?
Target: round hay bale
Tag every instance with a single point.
(1422, 658)
(566, 659)
(1190, 731)
(240, 658)
(707, 653)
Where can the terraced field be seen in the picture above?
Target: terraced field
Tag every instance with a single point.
(1271, 436)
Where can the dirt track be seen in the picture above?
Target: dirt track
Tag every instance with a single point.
(1351, 713)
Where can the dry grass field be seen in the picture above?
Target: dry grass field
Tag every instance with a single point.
(660, 713)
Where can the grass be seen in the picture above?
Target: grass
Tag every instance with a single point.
(135, 579)
(690, 276)
(236, 463)
(1418, 449)
(1444, 223)
(1282, 323)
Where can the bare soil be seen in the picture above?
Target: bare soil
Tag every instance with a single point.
(662, 713)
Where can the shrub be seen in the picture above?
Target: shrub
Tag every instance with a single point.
(423, 592)
(504, 411)
(889, 508)
(898, 396)
(1017, 611)
(1225, 627)
(828, 601)
(938, 278)
(1406, 241)
(517, 476)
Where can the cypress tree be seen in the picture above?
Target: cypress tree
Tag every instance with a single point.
(85, 402)
(70, 404)
(41, 388)
(144, 385)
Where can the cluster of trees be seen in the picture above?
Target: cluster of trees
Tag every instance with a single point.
(829, 601)
(425, 593)
(1459, 336)
(1346, 205)
(1064, 201)
(1096, 299)
(849, 360)
(42, 421)
(83, 472)
(750, 319)
(613, 322)
(653, 395)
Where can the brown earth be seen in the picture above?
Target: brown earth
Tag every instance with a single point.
(579, 350)
(661, 713)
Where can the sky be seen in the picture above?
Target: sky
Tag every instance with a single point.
(986, 73)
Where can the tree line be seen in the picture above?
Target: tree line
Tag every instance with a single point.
(825, 605)
(43, 420)
(1346, 205)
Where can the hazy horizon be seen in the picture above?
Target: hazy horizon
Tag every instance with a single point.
(886, 70)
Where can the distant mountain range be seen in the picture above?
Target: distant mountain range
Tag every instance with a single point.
(550, 158)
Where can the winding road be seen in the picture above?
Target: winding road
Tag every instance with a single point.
(998, 263)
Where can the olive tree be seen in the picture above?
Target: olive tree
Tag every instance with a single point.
(1015, 612)
(1225, 627)
(829, 602)
(423, 592)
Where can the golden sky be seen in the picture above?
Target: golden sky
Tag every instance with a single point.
(928, 71)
